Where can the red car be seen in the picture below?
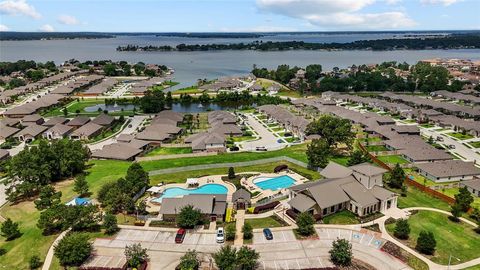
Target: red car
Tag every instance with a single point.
(180, 236)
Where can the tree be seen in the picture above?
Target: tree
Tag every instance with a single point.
(73, 249)
(247, 231)
(35, 262)
(152, 102)
(110, 223)
(333, 129)
(341, 252)
(81, 186)
(426, 243)
(396, 177)
(402, 229)
(188, 217)
(464, 198)
(318, 153)
(247, 258)
(10, 230)
(47, 197)
(230, 231)
(135, 255)
(357, 157)
(226, 257)
(189, 261)
(305, 223)
(456, 211)
(231, 173)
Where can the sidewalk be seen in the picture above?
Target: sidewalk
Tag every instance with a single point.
(240, 221)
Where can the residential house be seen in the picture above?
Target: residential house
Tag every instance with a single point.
(59, 131)
(473, 186)
(448, 170)
(212, 207)
(30, 133)
(78, 121)
(86, 132)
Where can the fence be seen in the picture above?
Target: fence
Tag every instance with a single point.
(409, 181)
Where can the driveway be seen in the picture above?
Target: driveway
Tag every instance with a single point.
(460, 149)
(267, 138)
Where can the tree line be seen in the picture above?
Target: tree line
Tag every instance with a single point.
(454, 41)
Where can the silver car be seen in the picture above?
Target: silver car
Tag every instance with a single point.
(220, 235)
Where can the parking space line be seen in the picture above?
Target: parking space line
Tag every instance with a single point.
(363, 235)
(350, 238)
(320, 261)
(298, 264)
(369, 242)
(263, 263)
(275, 263)
(284, 237)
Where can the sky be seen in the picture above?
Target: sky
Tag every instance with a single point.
(237, 15)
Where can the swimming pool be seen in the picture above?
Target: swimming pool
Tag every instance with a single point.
(274, 183)
(205, 189)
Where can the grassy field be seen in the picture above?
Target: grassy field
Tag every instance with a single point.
(371, 139)
(416, 197)
(460, 136)
(297, 152)
(427, 125)
(169, 151)
(180, 177)
(457, 239)
(32, 242)
(188, 90)
(267, 222)
(342, 217)
(376, 148)
(393, 159)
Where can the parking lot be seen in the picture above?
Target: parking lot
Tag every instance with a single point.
(278, 237)
(160, 240)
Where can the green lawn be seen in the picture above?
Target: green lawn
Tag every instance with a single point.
(342, 217)
(475, 144)
(371, 139)
(416, 198)
(188, 90)
(169, 151)
(460, 136)
(427, 125)
(267, 222)
(376, 148)
(393, 159)
(32, 242)
(297, 152)
(243, 138)
(289, 93)
(457, 239)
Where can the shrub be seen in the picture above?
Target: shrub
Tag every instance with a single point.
(73, 249)
(341, 252)
(10, 230)
(247, 231)
(402, 229)
(34, 262)
(230, 232)
(305, 223)
(426, 243)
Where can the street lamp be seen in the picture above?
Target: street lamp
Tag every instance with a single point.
(450, 260)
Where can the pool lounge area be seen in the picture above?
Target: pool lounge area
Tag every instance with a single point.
(173, 192)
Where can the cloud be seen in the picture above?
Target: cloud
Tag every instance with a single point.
(333, 14)
(439, 2)
(46, 28)
(3, 27)
(68, 20)
(18, 7)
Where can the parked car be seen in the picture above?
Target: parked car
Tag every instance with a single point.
(220, 235)
(451, 146)
(261, 148)
(180, 236)
(268, 234)
(439, 138)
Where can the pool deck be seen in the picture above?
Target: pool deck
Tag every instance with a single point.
(249, 185)
(211, 179)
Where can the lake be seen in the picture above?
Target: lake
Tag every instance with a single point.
(190, 66)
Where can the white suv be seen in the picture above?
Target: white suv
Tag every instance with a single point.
(220, 235)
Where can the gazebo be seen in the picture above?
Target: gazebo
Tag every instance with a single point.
(241, 199)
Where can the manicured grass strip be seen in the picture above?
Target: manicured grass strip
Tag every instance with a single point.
(169, 151)
(296, 152)
(460, 136)
(457, 239)
(342, 217)
(267, 222)
(393, 159)
(475, 144)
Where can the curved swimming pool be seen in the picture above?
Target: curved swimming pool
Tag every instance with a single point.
(274, 183)
(205, 189)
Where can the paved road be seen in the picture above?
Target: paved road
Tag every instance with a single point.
(135, 122)
(267, 139)
(468, 153)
